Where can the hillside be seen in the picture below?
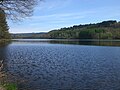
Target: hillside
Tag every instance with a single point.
(104, 30)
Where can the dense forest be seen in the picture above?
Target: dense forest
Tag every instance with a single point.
(104, 30)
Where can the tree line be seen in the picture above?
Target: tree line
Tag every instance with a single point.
(104, 30)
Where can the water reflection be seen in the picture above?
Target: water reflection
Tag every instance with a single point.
(2, 64)
(3, 54)
(5, 76)
(70, 41)
(48, 65)
(4, 43)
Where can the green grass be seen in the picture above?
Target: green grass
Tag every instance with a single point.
(10, 86)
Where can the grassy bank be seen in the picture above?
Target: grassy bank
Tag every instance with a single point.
(5, 84)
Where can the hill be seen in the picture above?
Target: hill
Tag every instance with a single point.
(104, 30)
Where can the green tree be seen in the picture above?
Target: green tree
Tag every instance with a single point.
(4, 34)
(104, 30)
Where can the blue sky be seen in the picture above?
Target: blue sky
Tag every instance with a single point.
(55, 14)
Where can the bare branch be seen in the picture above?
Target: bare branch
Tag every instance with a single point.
(18, 9)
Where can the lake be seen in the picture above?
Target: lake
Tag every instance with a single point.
(52, 64)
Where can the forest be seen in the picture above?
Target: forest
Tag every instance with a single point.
(103, 30)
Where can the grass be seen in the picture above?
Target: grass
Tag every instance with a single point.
(10, 86)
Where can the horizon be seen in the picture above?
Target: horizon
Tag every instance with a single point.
(56, 14)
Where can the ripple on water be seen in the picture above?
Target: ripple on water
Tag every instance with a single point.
(55, 66)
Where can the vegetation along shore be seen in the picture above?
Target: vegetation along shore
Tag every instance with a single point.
(103, 30)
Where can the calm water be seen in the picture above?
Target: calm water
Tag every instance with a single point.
(63, 64)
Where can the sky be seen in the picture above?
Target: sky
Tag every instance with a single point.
(55, 14)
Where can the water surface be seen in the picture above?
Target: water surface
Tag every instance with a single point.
(62, 64)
